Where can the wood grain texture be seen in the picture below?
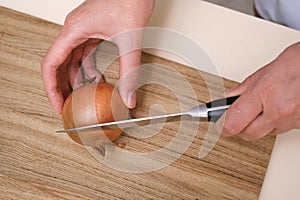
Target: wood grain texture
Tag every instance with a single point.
(35, 163)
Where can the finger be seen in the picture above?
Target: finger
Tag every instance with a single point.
(89, 63)
(75, 74)
(241, 113)
(129, 76)
(260, 127)
(63, 80)
(56, 56)
(129, 44)
(60, 49)
(54, 91)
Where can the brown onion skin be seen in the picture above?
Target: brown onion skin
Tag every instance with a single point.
(106, 101)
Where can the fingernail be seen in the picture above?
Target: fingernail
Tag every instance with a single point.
(131, 100)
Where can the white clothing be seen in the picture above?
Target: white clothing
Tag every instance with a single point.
(285, 12)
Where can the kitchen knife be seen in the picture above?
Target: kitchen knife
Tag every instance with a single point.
(210, 111)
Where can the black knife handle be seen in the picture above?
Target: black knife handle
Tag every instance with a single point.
(216, 114)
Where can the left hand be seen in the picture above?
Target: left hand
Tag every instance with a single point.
(269, 101)
(85, 27)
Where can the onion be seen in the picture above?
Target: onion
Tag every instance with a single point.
(90, 104)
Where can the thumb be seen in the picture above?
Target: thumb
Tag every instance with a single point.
(129, 65)
(129, 44)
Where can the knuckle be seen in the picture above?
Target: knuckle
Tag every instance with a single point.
(72, 22)
(285, 110)
(249, 79)
(71, 18)
(269, 87)
(281, 112)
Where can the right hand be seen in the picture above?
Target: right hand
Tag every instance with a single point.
(84, 28)
(269, 101)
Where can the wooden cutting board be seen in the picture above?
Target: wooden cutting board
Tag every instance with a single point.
(36, 163)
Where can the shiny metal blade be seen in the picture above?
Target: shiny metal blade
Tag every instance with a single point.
(130, 122)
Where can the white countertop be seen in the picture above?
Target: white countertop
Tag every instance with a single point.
(237, 43)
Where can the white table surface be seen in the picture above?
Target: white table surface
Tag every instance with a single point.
(237, 43)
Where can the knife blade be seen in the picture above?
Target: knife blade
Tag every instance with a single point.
(210, 111)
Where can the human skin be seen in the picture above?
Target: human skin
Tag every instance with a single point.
(269, 101)
(84, 28)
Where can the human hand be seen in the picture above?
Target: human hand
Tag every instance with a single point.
(269, 101)
(84, 28)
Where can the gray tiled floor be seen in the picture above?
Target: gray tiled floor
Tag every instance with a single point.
(245, 6)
